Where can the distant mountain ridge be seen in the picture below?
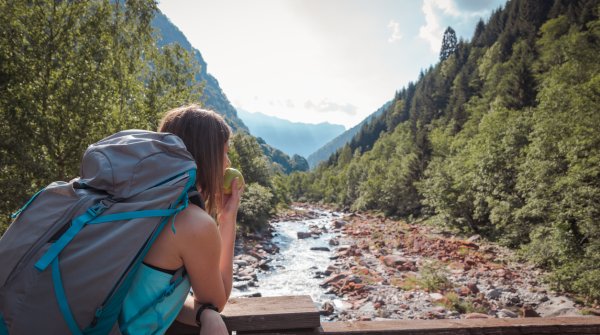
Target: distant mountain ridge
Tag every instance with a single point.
(290, 137)
(213, 97)
(332, 146)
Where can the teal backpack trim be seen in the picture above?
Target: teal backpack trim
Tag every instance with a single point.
(61, 298)
(3, 328)
(15, 214)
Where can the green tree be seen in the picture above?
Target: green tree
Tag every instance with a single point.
(70, 74)
(449, 43)
(255, 207)
(561, 174)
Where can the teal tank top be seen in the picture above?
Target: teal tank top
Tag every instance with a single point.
(148, 285)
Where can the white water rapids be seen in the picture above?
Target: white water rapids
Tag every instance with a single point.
(293, 269)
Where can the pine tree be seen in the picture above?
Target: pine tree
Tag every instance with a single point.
(449, 43)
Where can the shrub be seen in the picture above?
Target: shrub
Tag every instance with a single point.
(255, 207)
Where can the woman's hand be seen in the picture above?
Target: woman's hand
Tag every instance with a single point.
(212, 323)
(231, 203)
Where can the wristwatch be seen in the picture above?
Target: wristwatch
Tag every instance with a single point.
(201, 309)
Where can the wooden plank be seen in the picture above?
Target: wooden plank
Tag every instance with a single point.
(314, 331)
(530, 326)
(271, 313)
(263, 314)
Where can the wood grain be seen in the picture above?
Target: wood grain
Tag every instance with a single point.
(263, 314)
(530, 326)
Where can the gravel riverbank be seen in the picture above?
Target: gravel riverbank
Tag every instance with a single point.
(385, 269)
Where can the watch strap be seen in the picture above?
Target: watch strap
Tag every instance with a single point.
(201, 309)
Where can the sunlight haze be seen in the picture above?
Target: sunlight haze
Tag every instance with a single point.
(311, 61)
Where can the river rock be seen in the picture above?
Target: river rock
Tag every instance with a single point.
(264, 264)
(334, 278)
(242, 286)
(303, 235)
(368, 307)
(394, 260)
(529, 312)
(505, 313)
(240, 262)
(436, 296)
(334, 241)
(473, 287)
(330, 269)
(339, 223)
(248, 258)
(320, 249)
(509, 299)
(256, 254)
(493, 294)
(327, 308)
(557, 306)
(341, 305)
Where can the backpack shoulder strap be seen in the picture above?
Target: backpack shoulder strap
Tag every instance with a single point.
(196, 199)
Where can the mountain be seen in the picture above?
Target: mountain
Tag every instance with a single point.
(290, 137)
(280, 161)
(213, 96)
(332, 146)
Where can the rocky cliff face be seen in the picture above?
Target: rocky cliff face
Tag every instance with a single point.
(213, 97)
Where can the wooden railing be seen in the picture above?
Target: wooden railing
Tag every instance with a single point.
(299, 315)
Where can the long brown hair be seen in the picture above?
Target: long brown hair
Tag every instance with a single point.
(205, 134)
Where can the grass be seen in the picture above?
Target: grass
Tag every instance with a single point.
(453, 302)
(434, 278)
(431, 278)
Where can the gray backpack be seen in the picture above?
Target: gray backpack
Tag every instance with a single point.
(67, 261)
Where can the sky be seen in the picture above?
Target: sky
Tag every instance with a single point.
(316, 61)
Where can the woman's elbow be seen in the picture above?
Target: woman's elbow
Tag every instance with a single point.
(218, 302)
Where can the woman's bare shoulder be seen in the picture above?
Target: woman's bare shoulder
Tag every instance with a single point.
(195, 221)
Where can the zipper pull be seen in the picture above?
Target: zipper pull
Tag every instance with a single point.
(97, 316)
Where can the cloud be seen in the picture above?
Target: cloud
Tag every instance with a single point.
(479, 6)
(433, 30)
(326, 106)
(462, 14)
(395, 27)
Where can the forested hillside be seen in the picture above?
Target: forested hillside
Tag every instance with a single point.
(500, 138)
(72, 73)
(339, 141)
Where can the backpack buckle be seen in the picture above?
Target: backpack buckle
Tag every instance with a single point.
(100, 207)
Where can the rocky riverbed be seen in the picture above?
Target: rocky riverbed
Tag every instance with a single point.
(378, 269)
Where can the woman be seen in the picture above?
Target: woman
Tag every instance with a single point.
(203, 246)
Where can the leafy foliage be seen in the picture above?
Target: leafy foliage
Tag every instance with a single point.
(255, 207)
(265, 189)
(72, 73)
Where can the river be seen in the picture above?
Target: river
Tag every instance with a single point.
(294, 270)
